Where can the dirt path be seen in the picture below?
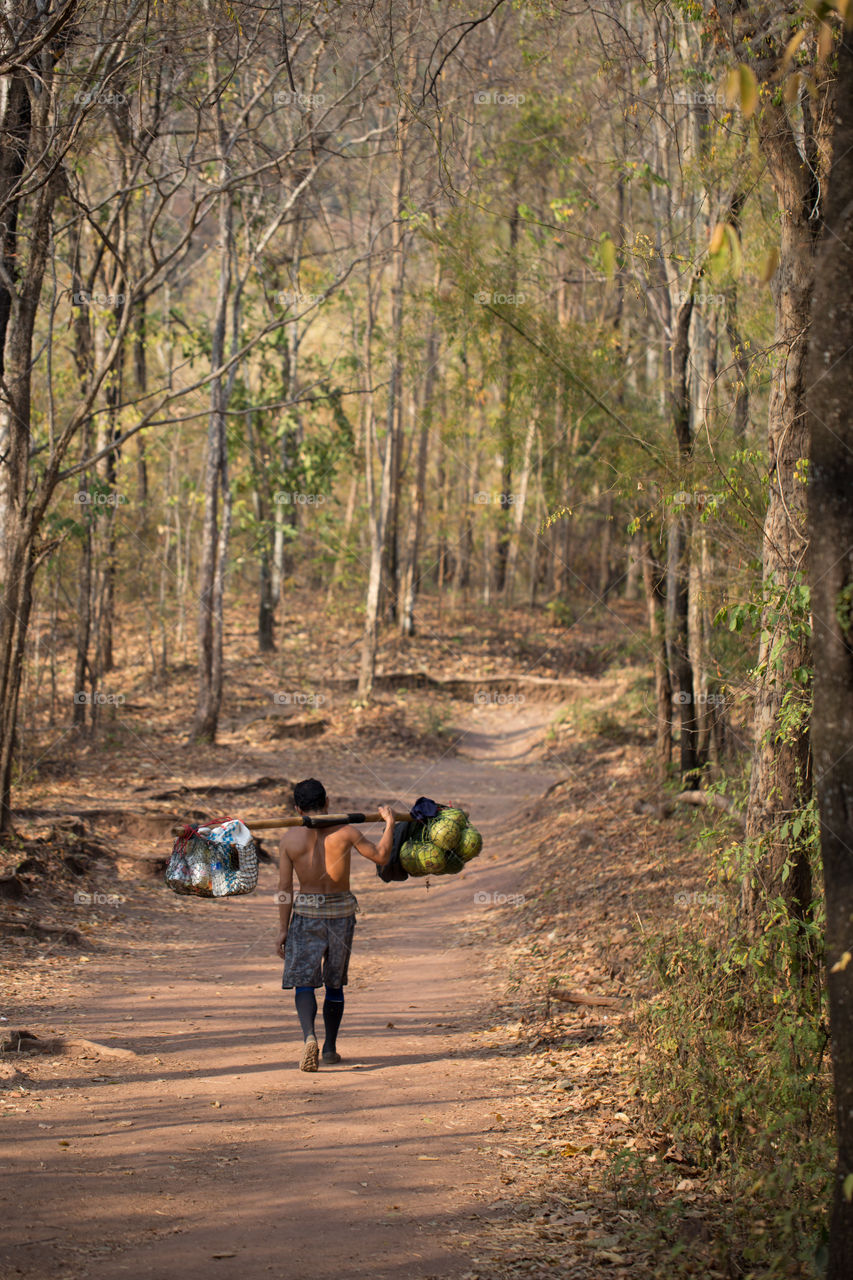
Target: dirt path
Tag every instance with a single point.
(210, 1153)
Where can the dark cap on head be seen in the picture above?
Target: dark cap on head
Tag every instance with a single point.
(309, 796)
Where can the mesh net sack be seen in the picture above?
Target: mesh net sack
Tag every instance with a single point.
(421, 858)
(214, 862)
(442, 847)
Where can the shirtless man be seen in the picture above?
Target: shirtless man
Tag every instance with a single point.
(316, 941)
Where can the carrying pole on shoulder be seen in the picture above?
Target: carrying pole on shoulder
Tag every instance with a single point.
(322, 820)
(312, 820)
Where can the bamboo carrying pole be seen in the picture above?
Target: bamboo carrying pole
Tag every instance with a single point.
(321, 820)
(309, 820)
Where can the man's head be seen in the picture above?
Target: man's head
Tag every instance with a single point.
(309, 796)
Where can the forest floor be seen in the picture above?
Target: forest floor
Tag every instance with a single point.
(472, 1125)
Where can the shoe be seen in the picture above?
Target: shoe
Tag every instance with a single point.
(310, 1055)
(330, 1057)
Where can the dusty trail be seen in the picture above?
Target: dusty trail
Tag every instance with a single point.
(210, 1153)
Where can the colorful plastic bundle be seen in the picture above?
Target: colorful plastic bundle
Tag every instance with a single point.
(214, 862)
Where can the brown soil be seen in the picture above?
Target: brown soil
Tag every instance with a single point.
(210, 1151)
(469, 1126)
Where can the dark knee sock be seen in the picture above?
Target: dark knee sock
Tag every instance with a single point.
(333, 1011)
(306, 1007)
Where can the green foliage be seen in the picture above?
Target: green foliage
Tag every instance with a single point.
(561, 613)
(735, 1071)
(783, 611)
(844, 608)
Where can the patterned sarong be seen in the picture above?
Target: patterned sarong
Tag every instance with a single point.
(325, 906)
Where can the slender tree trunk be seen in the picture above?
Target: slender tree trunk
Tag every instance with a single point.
(395, 387)
(604, 549)
(84, 614)
(377, 513)
(262, 503)
(417, 502)
(216, 526)
(519, 507)
(140, 368)
(378, 505)
(653, 578)
(506, 434)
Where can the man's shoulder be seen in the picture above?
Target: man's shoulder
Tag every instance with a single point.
(347, 835)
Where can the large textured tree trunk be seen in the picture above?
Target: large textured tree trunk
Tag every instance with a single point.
(830, 514)
(779, 781)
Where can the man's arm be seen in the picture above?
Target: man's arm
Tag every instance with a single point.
(285, 895)
(381, 853)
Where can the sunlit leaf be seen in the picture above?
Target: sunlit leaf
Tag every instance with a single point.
(735, 249)
(732, 89)
(748, 91)
(791, 48)
(768, 267)
(742, 87)
(608, 256)
(792, 88)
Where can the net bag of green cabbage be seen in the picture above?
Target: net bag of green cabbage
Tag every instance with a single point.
(438, 844)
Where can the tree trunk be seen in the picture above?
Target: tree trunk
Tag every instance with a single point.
(506, 423)
(377, 512)
(779, 780)
(14, 144)
(678, 551)
(830, 524)
(377, 521)
(653, 577)
(678, 645)
(410, 580)
(20, 511)
(262, 506)
(604, 549)
(216, 527)
(84, 615)
(518, 509)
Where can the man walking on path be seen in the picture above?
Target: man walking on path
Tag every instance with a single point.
(317, 925)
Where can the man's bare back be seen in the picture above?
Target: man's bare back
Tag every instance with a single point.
(321, 857)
